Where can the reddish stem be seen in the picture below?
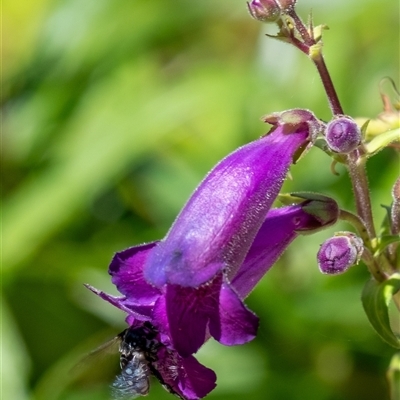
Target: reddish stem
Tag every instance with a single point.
(319, 62)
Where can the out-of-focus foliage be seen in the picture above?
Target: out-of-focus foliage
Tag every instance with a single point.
(113, 111)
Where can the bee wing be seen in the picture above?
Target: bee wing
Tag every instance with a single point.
(111, 346)
(99, 356)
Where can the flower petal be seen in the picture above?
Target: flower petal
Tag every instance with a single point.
(190, 315)
(126, 269)
(197, 381)
(235, 324)
(184, 313)
(279, 229)
(137, 311)
(184, 376)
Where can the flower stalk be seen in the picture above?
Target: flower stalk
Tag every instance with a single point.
(358, 224)
(359, 182)
(373, 266)
(313, 49)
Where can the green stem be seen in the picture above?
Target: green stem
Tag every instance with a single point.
(372, 266)
(357, 223)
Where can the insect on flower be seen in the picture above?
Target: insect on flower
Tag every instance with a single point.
(138, 347)
(138, 360)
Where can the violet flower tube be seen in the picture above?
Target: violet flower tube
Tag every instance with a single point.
(191, 285)
(216, 228)
(213, 233)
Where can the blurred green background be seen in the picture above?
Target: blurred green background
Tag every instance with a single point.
(113, 111)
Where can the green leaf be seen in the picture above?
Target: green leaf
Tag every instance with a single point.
(381, 141)
(376, 297)
(385, 241)
(393, 375)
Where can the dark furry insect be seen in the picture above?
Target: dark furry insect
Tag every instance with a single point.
(138, 360)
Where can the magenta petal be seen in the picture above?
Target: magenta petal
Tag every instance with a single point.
(187, 318)
(140, 312)
(185, 376)
(278, 231)
(126, 269)
(197, 381)
(185, 313)
(234, 324)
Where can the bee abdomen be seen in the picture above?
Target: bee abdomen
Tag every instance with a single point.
(133, 381)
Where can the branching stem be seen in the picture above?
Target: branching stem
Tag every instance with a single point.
(355, 161)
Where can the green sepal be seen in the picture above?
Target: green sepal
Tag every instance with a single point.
(381, 141)
(288, 199)
(376, 297)
(280, 36)
(318, 30)
(321, 144)
(385, 225)
(364, 128)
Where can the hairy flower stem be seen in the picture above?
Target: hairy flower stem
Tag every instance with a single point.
(358, 176)
(330, 91)
(358, 224)
(372, 266)
(315, 53)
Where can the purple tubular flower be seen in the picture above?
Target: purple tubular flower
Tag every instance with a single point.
(191, 285)
(216, 228)
(213, 233)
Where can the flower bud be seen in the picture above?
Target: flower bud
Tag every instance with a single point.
(337, 254)
(343, 135)
(264, 10)
(323, 209)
